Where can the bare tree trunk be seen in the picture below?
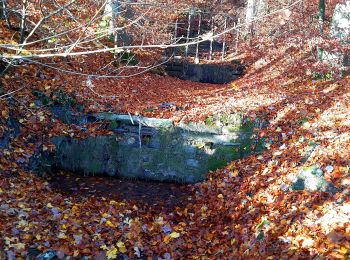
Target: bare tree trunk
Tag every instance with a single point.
(255, 8)
(23, 20)
(198, 34)
(4, 14)
(224, 41)
(111, 14)
(188, 33)
(175, 38)
(237, 35)
(211, 39)
(321, 18)
(249, 17)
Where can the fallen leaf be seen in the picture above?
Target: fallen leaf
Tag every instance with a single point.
(174, 235)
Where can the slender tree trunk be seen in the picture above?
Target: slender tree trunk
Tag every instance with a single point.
(23, 20)
(198, 34)
(224, 41)
(4, 15)
(211, 39)
(321, 18)
(237, 35)
(250, 13)
(175, 38)
(188, 33)
(111, 14)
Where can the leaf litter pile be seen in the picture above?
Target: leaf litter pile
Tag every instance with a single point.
(247, 210)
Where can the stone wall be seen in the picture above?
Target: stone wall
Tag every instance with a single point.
(205, 73)
(155, 149)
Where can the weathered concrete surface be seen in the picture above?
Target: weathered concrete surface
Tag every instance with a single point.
(154, 149)
(205, 73)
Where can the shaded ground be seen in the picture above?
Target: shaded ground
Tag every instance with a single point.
(158, 194)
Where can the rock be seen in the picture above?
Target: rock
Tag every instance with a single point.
(48, 255)
(15, 231)
(4, 207)
(260, 63)
(167, 105)
(284, 187)
(329, 168)
(340, 26)
(11, 212)
(340, 29)
(167, 230)
(312, 179)
(11, 255)
(56, 213)
(78, 239)
(33, 252)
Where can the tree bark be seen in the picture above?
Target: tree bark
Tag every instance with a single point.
(23, 20)
(111, 14)
(321, 18)
(4, 14)
(250, 13)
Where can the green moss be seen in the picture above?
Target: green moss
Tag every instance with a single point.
(233, 128)
(303, 120)
(114, 145)
(183, 154)
(323, 76)
(95, 166)
(45, 100)
(224, 119)
(215, 163)
(210, 121)
(129, 58)
(146, 140)
(222, 156)
(248, 126)
(62, 98)
(113, 125)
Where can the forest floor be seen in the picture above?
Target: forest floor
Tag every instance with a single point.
(245, 210)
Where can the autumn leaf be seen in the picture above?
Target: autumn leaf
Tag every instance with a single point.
(110, 224)
(5, 114)
(112, 253)
(175, 235)
(234, 173)
(167, 239)
(121, 247)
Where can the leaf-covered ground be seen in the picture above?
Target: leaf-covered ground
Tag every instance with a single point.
(245, 210)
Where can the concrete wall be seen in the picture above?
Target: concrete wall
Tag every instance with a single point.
(154, 149)
(205, 73)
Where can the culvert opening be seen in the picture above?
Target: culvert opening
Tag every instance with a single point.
(157, 150)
